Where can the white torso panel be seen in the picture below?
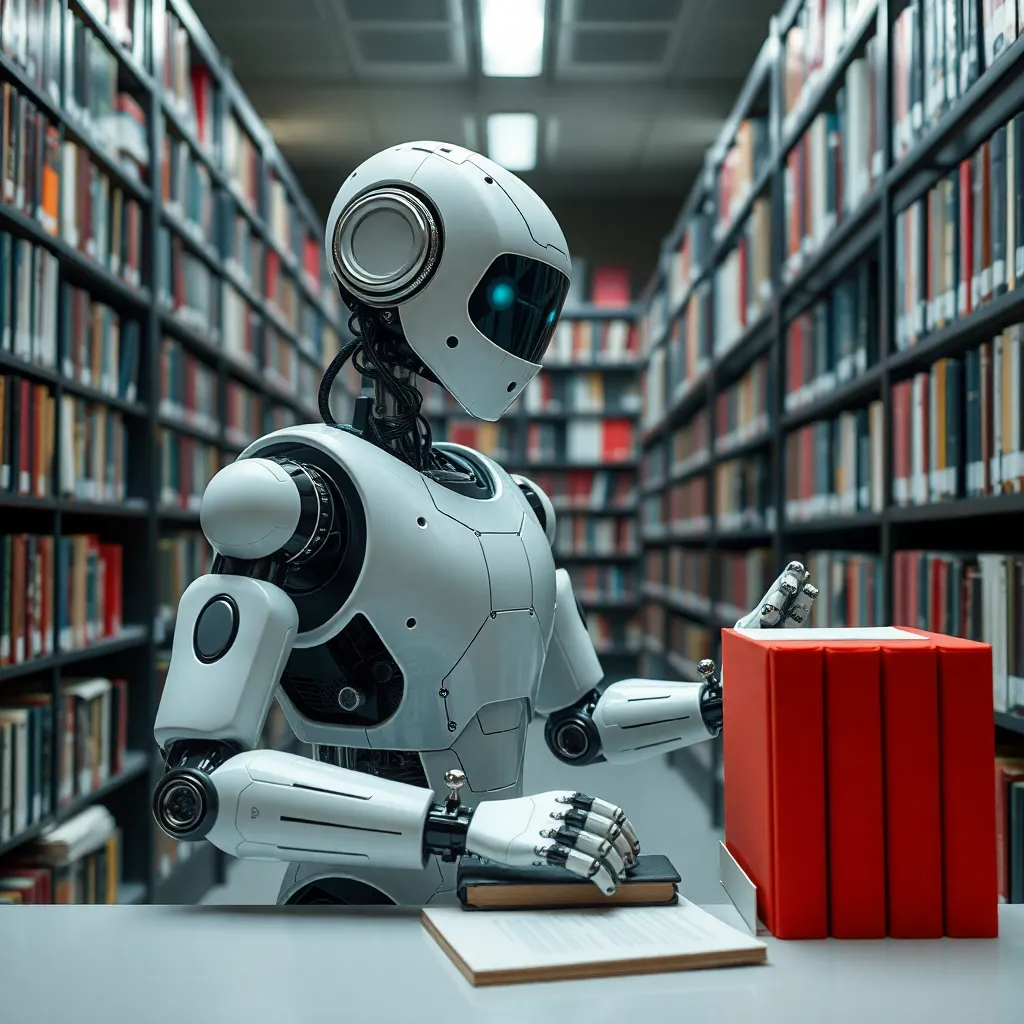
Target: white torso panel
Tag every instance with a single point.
(444, 628)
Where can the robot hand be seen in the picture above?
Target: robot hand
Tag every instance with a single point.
(589, 837)
(787, 603)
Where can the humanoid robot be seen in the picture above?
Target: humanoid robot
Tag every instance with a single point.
(398, 597)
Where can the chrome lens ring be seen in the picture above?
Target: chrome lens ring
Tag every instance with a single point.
(378, 287)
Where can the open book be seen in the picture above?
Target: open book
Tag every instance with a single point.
(506, 947)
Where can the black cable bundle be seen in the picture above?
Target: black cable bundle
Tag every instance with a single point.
(374, 353)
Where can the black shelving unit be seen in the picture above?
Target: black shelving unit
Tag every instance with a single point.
(138, 523)
(991, 101)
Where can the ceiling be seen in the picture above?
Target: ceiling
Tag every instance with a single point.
(632, 93)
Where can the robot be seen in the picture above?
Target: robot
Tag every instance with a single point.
(398, 597)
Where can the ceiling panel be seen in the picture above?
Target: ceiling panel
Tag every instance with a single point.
(398, 10)
(617, 143)
(635, 91)
(620, 12)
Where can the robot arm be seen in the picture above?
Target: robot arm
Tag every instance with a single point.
(632, 719)
(637, 718)
(233, 636)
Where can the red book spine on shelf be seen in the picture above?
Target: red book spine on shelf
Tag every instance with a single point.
(970, 879)
(856, 793)
(910, 703)
(775, 760)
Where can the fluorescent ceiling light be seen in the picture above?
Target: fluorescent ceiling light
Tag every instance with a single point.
(512, 140)
(512, 38)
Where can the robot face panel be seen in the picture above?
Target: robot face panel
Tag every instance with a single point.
(474, 262)
(516, 305)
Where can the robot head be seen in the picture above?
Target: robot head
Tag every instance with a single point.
(469, 257)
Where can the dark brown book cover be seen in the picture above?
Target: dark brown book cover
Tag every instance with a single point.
(488, 886)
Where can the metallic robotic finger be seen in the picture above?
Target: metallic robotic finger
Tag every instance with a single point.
(398, 597)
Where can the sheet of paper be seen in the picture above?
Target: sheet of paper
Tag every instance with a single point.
(523, 939)
(858, 633)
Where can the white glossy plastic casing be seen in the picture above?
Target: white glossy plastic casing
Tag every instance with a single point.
(460, 590)
(485, 211)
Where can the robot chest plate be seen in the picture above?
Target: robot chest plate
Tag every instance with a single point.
(452, 612)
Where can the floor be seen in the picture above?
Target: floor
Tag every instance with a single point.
(668, 817)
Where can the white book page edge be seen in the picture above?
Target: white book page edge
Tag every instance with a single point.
(530, 939)
(861, 633)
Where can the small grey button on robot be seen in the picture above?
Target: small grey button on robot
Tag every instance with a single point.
(706, 668)
(454, 779)
(215, 629)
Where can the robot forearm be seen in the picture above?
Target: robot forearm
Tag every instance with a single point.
(637, 718)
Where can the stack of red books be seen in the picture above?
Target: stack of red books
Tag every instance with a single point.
(858, 781)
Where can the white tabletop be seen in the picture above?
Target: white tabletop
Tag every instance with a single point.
(249, 965)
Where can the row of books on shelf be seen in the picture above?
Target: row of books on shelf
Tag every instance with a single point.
(57, 593)
(834, 467)
(851, 585)
(742, 411)
(835, 340)
(688, 349)
(581, 341)
(582, 441)
(97, 217)
(112, 119)
(597, 583)
(682, 510)
(962, 244)
(581, 490)
(957, 431)
(582, 393)
(743, 495)
(187, 465)
(83, 458)
(579, 535)
(181, 558)
(679, 573)
(190, 90)
(821, 30)
(741, 167)
(77, 861)
(685, 265)
(834, 166)
(977, 596)
(83, 737)
(929, 79)
(611, 635)
(958, 428)
(95, 346)
(689, 446)
(743, 280)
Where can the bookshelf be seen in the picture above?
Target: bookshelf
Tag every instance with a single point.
(575, 433)
(164, 304)
(858, 123)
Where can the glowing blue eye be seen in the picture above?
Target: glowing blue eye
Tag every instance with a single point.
(501, 295)
(551, 317)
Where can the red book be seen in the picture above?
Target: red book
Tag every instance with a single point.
(609, 287)
(964, 302)
(910, 707)
(856, 797)
(774, 752)
(120, 725)
(616, 440)
(967, 739)
(42, 891)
